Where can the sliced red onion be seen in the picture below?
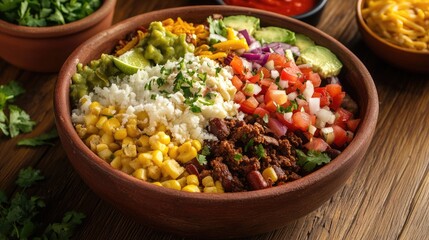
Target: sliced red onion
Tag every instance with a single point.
(228, 59)
(255, 45)
(277, 127)
(246, 35)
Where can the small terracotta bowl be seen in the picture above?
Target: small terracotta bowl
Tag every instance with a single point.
(44, 49)
(404, 58)
(215, 216)
(312, 17)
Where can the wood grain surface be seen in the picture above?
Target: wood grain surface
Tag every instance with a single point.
(386, 198)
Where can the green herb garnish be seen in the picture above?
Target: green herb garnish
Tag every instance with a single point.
(312, 159)
(43, 139)
(42, 13)
(260, 151)
(238, 157)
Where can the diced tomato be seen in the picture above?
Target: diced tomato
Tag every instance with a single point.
(315, 79)
(295, 87)
(277, 127)
(238, 84)
(265, 84)
(352, 124)
(237, 65)
(340, 136)
(342, 116)
(333, 89)
(301, 120)
(263, 72)
(291, 74)
(306, 71)
(249, 105)
(337, 100)
(279, 60)
(239, 97)
(261, 112)
(254, 79)
(289, 125)
(317, 144)
(271, 106)
(325, 99)
(277, 96)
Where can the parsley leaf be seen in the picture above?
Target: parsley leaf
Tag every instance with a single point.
(43, 139)
(19, 121)
(312, 159)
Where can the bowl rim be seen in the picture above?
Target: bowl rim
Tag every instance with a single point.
(62, 114)
(374, 35)
(58, 30)
(318, 7)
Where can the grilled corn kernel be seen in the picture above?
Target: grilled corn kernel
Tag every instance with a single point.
(127, 141)
(105, 154)
(91, 129)
(186, 152)
(182, 181)
(143, 141)
(92, 142)
(130, 150)
(163, 137)
(131, 127)
(161, 128)
(106, 138)
(191, 188)
(196, 144)
(172, 152)
(81, 131)
(127, 169)
(118, 153)
(108, 111)
(208, 181)
(157, 183)
(90, 119)
(120, 134)
(116, 163)
(135, 164)
(157, 157)
(173, 184)
(172, 168)
(110, 125)
(270, 174)
(95, 108)
(219, 187)
(101, 121)
(192, 179)
(211, 189)
(140, 174)
(114, 147)
(154, 172)
(145, 159)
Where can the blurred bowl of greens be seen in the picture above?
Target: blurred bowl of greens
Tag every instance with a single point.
(39, 35)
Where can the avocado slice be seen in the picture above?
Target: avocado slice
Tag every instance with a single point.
(303, 42)
(241, 22)
(275, 34)
(323, 61)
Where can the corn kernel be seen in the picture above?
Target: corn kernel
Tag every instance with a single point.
(120, 134)
(163, 138)
(211, 189)
(186, 152)
(173, 184)
(95, 108)
(102, 146)
(131, 127)
(172, 168)
(105, 154)
(114, 147)
(108, 111)
(191, 188)
(127, 141)
(110, 125)
(90, 119)
(116, 163)
(157, 183)
(127, 169)
(161, 128)
(81, 131)
(208, 181)
(106, 138)
(219, 187)
(145, 159)
(143, 141)
(270, 174)
(192, 179)
(196, 144)
(172, 152)
(135, 164)
(91, 129)
(182, 181)
(157, 157)
(101, 121)
(118, 153)
(154, 172)
(140, 174)
(92, 142)
(130, 150)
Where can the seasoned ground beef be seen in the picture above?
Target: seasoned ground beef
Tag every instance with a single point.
(245, 148)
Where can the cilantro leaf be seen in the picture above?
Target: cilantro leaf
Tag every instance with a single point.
(66, 228)
(43, 139)
(217, 26)
(3, 123)
(9, 92)
(312, 159)
(27, 177)
(202, 159)
(260, 151)
(19, 121)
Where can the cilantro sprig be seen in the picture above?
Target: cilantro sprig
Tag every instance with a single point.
(19, 216)
(43, 139)
(18, 121)
(42, 13)
(312, 159)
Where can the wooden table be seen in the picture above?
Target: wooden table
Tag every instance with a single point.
(385, 199)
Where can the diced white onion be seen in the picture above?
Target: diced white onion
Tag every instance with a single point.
(284, 84)
(292, 96)
(324, 115)
(314, 105)
(269, 65)
(288, 116)
(254, 45)
(246, 64)
(312, 129)
(328, 134)
(275, 74)
(309, 90)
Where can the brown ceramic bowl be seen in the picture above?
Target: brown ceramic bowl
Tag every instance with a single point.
(312, 17)
(404, 58)
(44, 49)
(215, 215)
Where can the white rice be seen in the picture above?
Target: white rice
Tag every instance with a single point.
(166, 105)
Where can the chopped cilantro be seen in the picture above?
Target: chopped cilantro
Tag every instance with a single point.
(205, 151)
(202, 76)
(195, 109)
(238, 157)
(218, 71)
(160, 81)
(19, 121)
(153, 96)
(217, 26)
(249, 144)
(9, 92)
(312, 159)
(202, 159)
(260, 151)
